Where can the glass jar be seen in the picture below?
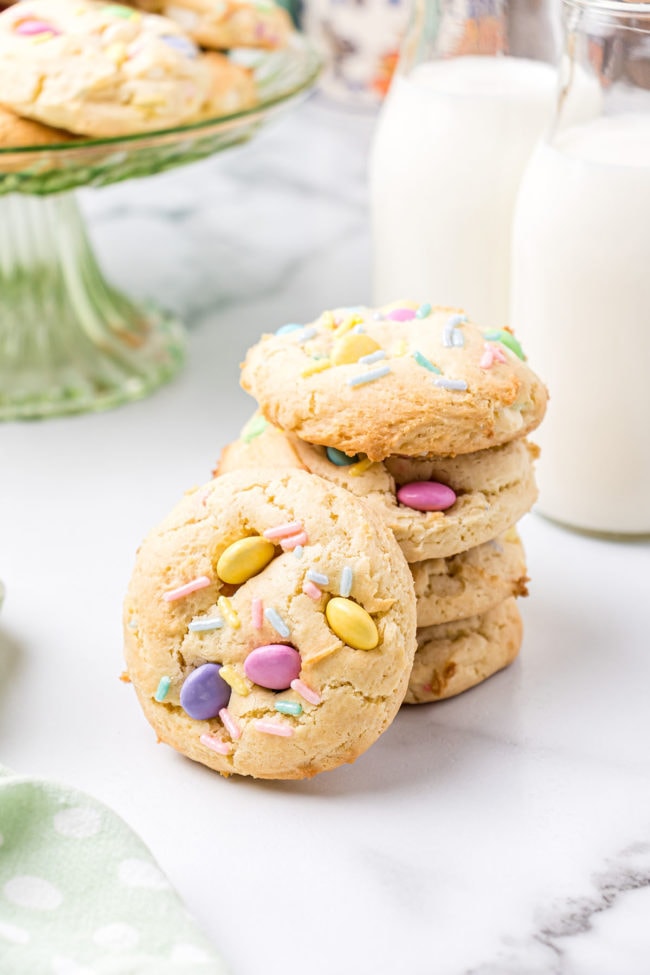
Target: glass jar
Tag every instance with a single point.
(581, 276)
(474, 90)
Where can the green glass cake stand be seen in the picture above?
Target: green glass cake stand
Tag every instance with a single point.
(69, 341)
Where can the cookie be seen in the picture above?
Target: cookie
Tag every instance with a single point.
(405, 379)
(470, 583)
(270, 625)
(226, 24)
(21, 132)
(491, 489)
(232, 87)
(98, 70)
(453, 657)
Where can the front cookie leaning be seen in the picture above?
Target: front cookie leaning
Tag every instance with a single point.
(270, 625)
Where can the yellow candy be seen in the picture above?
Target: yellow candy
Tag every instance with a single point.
(352, 624)
(352, 347)
(244, 559)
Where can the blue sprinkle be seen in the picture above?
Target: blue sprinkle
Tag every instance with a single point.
(450, 383)
(307, 333)
(369, 377)
(297, 552)
(277, 622)
(345, 587)
(318, 577)
(423, 311)
(358, 330)
(285, 329)
(181, 44)
(423, 361)
(372, 357)
(339, 458)
(289, 707)
(163, 689)
(202, 626)
(457, 320)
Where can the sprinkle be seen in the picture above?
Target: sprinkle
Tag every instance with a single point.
(283, 531)
(443, 383)
(286, 329)
(298, 551)
(423, 361)
(289, 707)
(116, 53)
(306, 334)
(124, 677)
(369, 377)
(133, 623)
(311, 590)
(319, 366)
(457, 339)
(316, 658)
(256, 426)
(369, 360)
(257, 614)
(201, 583)
(506, 338)
(448, 338)
(317, 577)
(215, 744)
(271, 728)
(361, 467)
(491, 354)
(230, 724)
(327, 320)
(400, 348)
(346, 325)
(401, 314)
(117, 10)
(31, 28)
(180, 44)
(238, 683)
(229, 612)
(377, 316)
(358, 330)
(345, 585)
(288, 544)
(423, 311)
(163, 689)
(305, 691)
(205, 625)
(277, 622)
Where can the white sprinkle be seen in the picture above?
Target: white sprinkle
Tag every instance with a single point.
(298, 550)
(358, 330)
(202, 626)
(318, 577)
(443, 383)
(369, 377)
(372, 357)
(307, 333)
(345, 587)
(457, 339)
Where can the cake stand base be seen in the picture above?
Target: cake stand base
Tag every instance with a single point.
(69, 342)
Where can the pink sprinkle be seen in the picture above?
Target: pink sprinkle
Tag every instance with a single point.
(283, 531)
(257, 614)
(272, 728)
(491, 354)
(29, 28)
(230, 724)
(201, 583)
(288, 544)
(305, 692)
(311, 589)
(401, 314)
(215, 744)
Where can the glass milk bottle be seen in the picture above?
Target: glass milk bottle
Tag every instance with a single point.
(581, 277)
(473, 92)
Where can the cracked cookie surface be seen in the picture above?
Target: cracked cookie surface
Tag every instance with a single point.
(337, 580)
(403, 379)
(226, 24)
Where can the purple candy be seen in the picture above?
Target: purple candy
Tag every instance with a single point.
(274, 666)
(426, 496)
(204, 693)
(401, 314)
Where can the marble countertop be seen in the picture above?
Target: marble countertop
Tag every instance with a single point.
(506, 832)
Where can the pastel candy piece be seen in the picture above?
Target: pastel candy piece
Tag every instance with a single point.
(273, 666)
(339, 458)
(204, 693)
(426, 496)
(244, 559)
(401, 314)
(29, 28)
(352, 347)
(352, 623)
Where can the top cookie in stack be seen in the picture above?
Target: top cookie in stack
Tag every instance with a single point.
(424, 414)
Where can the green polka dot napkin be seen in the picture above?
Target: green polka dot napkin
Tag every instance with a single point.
(80, 894)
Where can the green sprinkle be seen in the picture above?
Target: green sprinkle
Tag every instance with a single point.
(423, 361)
(116, 10)
(423, 311)
(507, 339)
(289, 707)
(163, 689)
(254, 428)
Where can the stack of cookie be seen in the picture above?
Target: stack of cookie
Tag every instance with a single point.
(356, 550)
(71, 69)
(424, 416)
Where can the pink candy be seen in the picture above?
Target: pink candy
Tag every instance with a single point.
(401, 314)
(426, 496)
(273, 666)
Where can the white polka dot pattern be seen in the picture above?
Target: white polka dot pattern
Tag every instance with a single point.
(32, 892)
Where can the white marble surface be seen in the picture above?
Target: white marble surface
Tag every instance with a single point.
(506, 832)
